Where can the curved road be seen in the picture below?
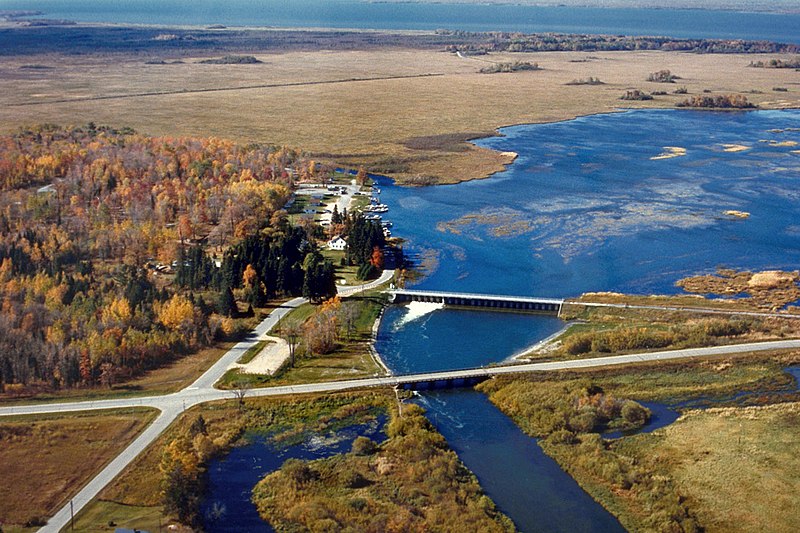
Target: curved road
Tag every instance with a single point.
(202, 390)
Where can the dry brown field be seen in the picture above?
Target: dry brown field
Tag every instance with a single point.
(44, 459)
(738, 467)
(402, 111)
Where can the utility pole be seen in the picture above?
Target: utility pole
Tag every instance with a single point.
(71, 516)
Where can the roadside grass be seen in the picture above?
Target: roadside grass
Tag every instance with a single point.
(251, 353)
(109, 516)
(351, 359)
(46, 459)
(300, 116)
(600, 331)
(696, 473)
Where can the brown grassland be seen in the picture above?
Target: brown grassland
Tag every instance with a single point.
(411, 127)
(737, 467)
(44, 458)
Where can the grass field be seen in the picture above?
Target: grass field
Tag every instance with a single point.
(737, 467)
(44, 460)
(394, 125)
(351, 359)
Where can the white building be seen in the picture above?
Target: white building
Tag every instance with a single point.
(337, 243)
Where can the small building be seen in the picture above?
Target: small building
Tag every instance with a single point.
(337, 243)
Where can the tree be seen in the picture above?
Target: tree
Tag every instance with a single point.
(361, 177)
(240, 389)
(292, 333)
(348, 315)
(227, 303)
(175, 313)
(377, 258)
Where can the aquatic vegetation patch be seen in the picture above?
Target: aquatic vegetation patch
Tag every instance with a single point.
(771, 289)
(497, 222)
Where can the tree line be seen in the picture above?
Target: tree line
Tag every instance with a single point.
(82, 302)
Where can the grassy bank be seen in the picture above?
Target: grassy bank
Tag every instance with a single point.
(412, 482)
(612, 330)
(350, 359)
(646, 480)
(44, 460)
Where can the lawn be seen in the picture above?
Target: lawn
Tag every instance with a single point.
(351, 359)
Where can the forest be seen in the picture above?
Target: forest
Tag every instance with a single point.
(120, 252)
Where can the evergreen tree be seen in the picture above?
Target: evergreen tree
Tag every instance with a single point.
(227, 303)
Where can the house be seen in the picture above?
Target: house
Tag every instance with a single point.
(337, 243)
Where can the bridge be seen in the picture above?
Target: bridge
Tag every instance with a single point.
(530, 304)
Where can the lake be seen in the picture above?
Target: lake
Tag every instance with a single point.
(600, 204)
(696, 23)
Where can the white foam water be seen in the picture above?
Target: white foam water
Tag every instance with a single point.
(417, 310)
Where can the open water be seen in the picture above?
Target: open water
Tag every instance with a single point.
(593, 204)
(696, 23)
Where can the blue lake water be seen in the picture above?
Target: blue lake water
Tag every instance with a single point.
(697, 23)
(590, 206)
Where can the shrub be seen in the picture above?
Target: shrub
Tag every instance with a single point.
(586, 81)
(298, 471)
(634, 414)
(509, 67)
(723, 101)
(662, 76)
(562, 436)
(364, 446)
(354, 480)
(635, 94)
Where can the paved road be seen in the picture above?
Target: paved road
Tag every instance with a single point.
(170, 405)
(202, 390)
(701, 310)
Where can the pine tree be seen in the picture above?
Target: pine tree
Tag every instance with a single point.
(227, 303)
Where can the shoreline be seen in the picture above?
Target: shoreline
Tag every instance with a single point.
(376, 356)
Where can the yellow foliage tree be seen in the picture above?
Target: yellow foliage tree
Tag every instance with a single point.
(250, 276)
(175, 312)
(118, 312)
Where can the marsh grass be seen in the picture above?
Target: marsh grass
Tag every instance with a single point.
(700, 472)
(364, 122)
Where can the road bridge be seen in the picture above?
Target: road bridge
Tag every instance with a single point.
(528, 304)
